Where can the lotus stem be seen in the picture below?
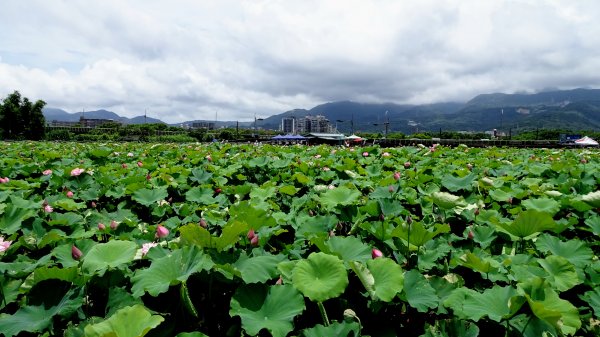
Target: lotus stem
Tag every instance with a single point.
(323, 313)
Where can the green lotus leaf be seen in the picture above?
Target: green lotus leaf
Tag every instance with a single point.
(134, 321)
(170, 270)
(347, 248)
(483, 265)
(497, 303)
(200, 176)
(500, 195)
(528, 223)
(455, 184)
(191, 334)
(453, 327)
(446, 200)
(593, 222)
(575, 251)
(545, 303)
(37, 318)
(547, 205)
(388, 278)
(148, 197)
(335, 329)
(13, 217)
(200, 195)
(592, 199)
(108, 255)
(417, 235)
(258, 269)
(419, 293)
(593, 299)
(561, 273)
(320, 277)
(272, 308)
(69, 205)
(339, 196)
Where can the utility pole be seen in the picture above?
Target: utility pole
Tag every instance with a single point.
(145, 117)
(352, 123)
(237, 129)
(387, 123)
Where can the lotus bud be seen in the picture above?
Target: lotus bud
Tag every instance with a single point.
(254, 241)
(69, 194)
(279, 281)
(202, 223)
(407, 164)
(376, 253)
(396, 175)
(250, 234)
(140, 164)
(76, 253)
(113, 225)
(101, 226)
(161, 231)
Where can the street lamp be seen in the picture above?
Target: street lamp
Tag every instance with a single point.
(256, 119)
(386, 123)
(351, 123)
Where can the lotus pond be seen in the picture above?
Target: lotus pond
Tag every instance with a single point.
(135, 240)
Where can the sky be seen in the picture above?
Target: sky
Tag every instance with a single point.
(184, 60)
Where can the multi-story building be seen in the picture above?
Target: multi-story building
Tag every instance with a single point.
(313, 124)
(203, 125)
(288, 125)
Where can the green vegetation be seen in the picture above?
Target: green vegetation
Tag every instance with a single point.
(21, 119)
(133, 239)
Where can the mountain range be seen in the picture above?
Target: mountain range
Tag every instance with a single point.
(53, 114)
(577, 109)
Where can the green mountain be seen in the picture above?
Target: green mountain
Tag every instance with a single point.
(577, 109)
(53, 114)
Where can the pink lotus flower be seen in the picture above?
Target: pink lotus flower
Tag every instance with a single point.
(69, 194)
(325, 168)
(161, 231)
(76, 171)
(48, 209)
(130, 154)
(4, 180)
(47, 172)
(318, 156)
(396, 175)
(331, 187)
(407, 164)
(365, 154)
(101, 226)
(146, 247)
(4, 244)
(140, 164)
(376, 253)
(76, 253)
(386, 154)
(114, 225)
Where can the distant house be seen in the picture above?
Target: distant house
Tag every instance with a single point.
(94, 122)
(203, 125)
(306, 124)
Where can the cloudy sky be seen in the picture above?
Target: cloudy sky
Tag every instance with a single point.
(184, 60)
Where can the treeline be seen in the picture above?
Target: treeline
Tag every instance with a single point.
(22, 119)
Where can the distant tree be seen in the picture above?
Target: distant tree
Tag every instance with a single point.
(21, 119)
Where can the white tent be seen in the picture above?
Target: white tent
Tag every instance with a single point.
(586, 141)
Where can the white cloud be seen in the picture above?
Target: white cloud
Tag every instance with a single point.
(186, 60)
